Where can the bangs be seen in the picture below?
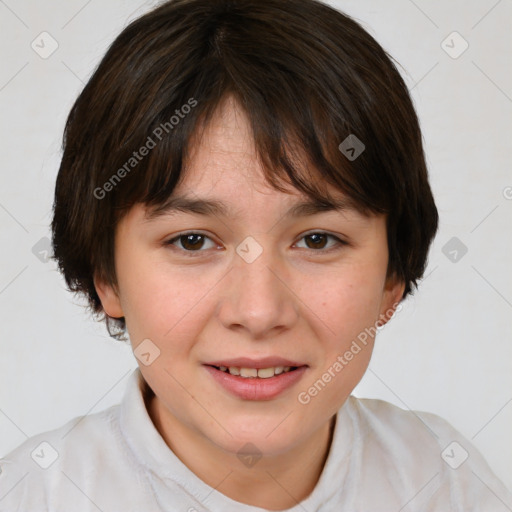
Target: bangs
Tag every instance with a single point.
(296, 130)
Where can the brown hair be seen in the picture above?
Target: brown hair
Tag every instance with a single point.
(307, 76)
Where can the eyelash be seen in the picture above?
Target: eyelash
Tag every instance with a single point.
(339, 243)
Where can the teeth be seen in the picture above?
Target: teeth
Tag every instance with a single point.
(262, 373)
(265, 373)
(248, 372)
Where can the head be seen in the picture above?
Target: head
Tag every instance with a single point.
(204, 125)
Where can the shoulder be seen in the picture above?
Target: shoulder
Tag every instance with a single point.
(82, 436)
(381, 418)
(422, 455)
(58, 458)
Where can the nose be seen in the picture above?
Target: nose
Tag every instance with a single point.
(258, 297)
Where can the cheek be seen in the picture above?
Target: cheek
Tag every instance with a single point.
(350, 310)
(351, 301)
(162, 303)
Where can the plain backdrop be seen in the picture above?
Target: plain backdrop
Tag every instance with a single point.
(448, 351)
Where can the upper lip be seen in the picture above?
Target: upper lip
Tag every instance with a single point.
(247, 362)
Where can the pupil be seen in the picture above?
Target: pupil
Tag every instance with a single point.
(316, 238)
(191, 241)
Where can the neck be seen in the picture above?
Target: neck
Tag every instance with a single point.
(274, 482)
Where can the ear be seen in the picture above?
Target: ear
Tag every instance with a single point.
(109, 298)
(393, 292)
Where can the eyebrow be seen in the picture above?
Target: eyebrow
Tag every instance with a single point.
(213, 207)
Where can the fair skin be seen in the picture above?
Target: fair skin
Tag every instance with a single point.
(295, 300)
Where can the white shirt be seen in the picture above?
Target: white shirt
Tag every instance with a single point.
(381, 458)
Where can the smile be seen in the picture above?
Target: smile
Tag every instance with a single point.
(262, 373)
(248, 384)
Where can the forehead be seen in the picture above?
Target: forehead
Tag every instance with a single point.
(223, 151)
(222, 160)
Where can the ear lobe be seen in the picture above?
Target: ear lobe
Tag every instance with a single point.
(109, 298)
(393, 293)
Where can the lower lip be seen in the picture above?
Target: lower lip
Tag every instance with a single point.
(253, 388)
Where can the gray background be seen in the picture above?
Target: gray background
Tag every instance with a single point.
(449, 351)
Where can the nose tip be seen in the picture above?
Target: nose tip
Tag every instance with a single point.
(256, 298)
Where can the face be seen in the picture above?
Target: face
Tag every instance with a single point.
(252, 282)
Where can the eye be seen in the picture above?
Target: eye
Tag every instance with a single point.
(318, 241)
(194, 242)
(191, 242)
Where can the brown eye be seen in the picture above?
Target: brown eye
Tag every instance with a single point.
(320, 241)
(190, 242)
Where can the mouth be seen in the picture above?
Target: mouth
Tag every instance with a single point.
(255, 373)
(258, 384)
